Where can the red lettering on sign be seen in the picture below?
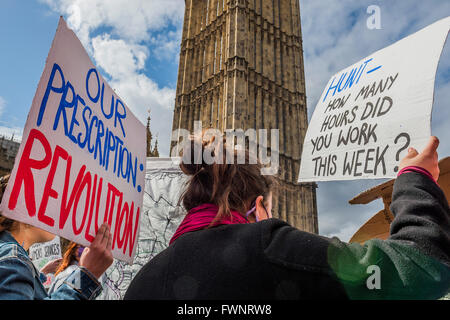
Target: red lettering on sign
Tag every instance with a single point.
(110, 209)
(48, 191)
(65, 208)
(24, 174)
(86, 183)
(118, 229)
(87, 235)
(124, 225)
(99, 194)
(131, 236)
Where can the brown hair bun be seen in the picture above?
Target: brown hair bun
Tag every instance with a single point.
(230, 186)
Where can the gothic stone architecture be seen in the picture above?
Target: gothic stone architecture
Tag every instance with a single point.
(151, 152)
(8, 151)
(241, 66)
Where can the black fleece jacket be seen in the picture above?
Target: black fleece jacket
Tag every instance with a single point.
(272, 260)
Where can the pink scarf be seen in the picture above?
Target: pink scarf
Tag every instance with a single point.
(200, 217)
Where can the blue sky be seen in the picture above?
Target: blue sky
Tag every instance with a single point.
(135, 44)
(22, 57)
(26, 33)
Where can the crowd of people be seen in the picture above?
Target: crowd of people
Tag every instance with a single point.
(230, 247)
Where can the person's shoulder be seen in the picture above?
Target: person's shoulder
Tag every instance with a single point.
(14, 257)
(66, 272)
(266, 225)
(290, 247)
(272, 223)
(272, 228)
(227, 231)
(59, 279)
(10, 250)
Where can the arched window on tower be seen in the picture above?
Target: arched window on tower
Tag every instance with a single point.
(218, 114)
(212, 112)
(215, 52)
(203, 64)
(207, 12)
(220, 50)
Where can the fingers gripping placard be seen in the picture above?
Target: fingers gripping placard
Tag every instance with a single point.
(82, 158)
(371, 112)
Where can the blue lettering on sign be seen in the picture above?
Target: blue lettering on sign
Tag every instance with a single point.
(94, 100)
(347, 79)
(87, 130)
(374, 69)
(111, 110)
(50, 87)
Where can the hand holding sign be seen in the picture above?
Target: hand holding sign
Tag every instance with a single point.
(98, 257)
(428, 159)
(51, 266)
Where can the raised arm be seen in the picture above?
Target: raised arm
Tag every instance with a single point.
(414, 263)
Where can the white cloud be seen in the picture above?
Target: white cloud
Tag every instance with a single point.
(131, 31)
(118, 58)
(344, 232)
(125, 63)
(167, 44)
(8, 132)
(129, 19)
(336, 216)
(141, 94)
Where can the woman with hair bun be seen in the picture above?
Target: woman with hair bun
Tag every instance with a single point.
(229, 247)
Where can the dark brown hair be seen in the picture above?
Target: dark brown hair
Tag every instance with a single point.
(5, 223)
(230, 186)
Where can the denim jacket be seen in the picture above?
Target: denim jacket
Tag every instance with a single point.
(59, 279)
(20, 280)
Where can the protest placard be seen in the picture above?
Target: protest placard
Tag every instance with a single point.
(371, 112)
(42, 253)
(82, 158)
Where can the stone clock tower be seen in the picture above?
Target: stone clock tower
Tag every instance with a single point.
(241, 66)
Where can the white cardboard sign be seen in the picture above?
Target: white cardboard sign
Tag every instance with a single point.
(371, 112)
(82, 158)
(44, 252)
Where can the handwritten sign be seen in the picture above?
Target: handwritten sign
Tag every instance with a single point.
(371, 112)
(41, 253)
(82, 158)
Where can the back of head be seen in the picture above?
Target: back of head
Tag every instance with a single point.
(218, 177)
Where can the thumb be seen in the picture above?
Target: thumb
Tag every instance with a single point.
(432, 146)
(411, 153)
(85, 252)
